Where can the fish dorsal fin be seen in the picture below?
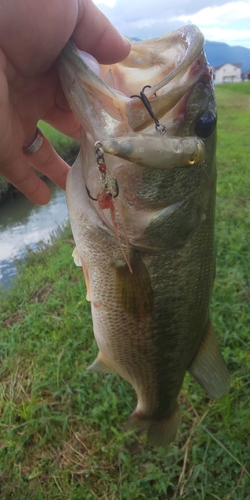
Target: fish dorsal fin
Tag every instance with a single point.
(100, 365)
(209, 368)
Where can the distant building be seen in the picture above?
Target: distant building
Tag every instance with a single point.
(227, 72)
(246, 75)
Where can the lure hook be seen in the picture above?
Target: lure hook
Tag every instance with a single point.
(158, 126)
(88, 191)
(113, 195)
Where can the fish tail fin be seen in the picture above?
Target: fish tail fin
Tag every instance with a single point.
(160, 432)
(163, 432)
(209, 368)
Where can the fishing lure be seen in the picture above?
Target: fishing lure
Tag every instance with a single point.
(105, 198)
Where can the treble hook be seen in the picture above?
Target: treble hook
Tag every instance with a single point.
(101, 164)
(88, 191)
(108, 192)
(158, 126)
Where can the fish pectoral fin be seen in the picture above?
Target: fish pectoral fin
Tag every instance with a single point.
(160, 432)
(134, 291)
(100, 365)
(209, 368)
(172, 226)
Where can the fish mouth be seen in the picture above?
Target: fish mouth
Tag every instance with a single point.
(168, 68)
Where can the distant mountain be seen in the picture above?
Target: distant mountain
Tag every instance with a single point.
(219, 53)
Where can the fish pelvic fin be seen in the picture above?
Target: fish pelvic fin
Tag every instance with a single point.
(78, 262)
(209, 368)
(160, 432)
(133, 289)
(76, 257)
(100, 365)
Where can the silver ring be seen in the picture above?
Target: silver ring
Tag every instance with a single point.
(35, 145)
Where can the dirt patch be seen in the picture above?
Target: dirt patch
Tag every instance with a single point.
(17, 317)
(41, 295)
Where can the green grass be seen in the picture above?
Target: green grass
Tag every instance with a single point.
(240, 87)
(60, 425)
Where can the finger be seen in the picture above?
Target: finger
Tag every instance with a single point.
(95, 34)
(21, 175)
(62, 118)
(48, 162)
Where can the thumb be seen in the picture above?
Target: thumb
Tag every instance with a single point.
(95, 34)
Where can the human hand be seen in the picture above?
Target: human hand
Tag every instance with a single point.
(32, 34)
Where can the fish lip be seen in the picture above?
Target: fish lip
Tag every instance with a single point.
(126, 114)
(195, 43)
(190, 34)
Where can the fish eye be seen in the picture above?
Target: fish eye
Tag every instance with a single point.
(206, 124)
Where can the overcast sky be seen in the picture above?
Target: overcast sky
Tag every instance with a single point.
(219, 20)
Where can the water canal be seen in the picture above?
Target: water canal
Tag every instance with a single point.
(24, 224)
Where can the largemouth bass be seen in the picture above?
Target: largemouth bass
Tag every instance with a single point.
(141, 200)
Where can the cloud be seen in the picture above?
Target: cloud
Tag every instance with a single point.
(149, 19)
(108, 3)
(228, 35)
(218, 15)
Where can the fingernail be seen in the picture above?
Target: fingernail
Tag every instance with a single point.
(127, 40)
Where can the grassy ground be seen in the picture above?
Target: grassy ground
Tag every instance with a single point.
(65, 146)
(60, 425)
